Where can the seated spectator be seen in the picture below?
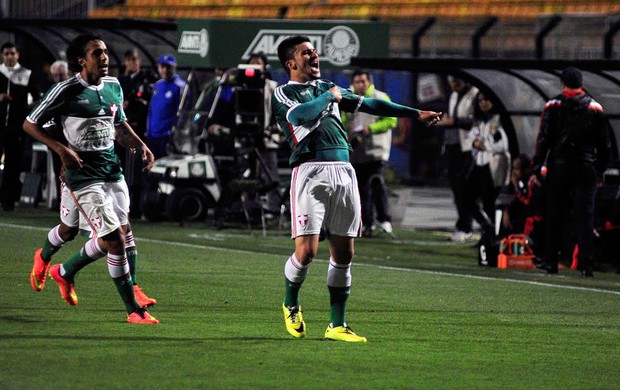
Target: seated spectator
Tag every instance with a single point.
(524, 211)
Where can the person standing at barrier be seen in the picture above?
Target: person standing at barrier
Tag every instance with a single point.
(90, 109)
(137, 84)
(573, 143)
(490, 169)
(18, 90)
(60, 72)
(164, 105)
(324, 191)
(457, 123)
(371, 139)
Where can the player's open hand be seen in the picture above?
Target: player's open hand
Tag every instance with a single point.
(429, 117)
(148, 159)
(337, 94)
(70, 158)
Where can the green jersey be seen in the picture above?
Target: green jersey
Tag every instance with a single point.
(322, 137)
(88, 115)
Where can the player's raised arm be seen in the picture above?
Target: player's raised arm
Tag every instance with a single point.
(382, 107)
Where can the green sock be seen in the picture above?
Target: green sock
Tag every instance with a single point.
(76, 263)
(291, 293)
(132, 259)
(338, 302)
(125, 289)
(49, 250)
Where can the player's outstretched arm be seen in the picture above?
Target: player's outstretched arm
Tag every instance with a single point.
(382, 107)
(127, 138)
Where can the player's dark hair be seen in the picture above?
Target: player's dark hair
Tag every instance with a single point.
(361, 72)
(286, 49)
(77, 49)
(8, 45)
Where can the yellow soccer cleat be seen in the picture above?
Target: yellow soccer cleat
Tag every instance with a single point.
(294, 321)
(343, 333)
(66, 288)
(39, 271)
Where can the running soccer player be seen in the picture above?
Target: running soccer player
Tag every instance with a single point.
(69, 227)
(324, 190)
(89, 106)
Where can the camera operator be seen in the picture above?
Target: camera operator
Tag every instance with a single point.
(268, 150)
(241, 126)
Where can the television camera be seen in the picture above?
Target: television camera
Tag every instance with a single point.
(214, 151)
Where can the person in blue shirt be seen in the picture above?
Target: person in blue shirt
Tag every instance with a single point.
(164, 105)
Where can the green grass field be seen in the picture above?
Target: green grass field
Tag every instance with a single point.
(433, 318)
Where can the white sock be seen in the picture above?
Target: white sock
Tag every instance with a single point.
(117, 265)
(338, 275)
(93, 250)
(294, 271)
(54, 238)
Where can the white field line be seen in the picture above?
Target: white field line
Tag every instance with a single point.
(384, 267)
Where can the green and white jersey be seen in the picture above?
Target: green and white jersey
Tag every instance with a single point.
(316, 137)
(88, 115)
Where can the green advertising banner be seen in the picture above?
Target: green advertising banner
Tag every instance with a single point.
(209, 43)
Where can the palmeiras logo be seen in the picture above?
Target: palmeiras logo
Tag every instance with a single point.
(336, 45)
(194, 42)
(96, 222)
(302, 220)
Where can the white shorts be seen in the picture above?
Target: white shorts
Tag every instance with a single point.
(105, 207)
(325, 195)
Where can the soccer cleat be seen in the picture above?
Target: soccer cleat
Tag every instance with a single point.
(39, 271)
(143, 299)
(66, 289)
(294, 321)
(343, 333)
(141, 316)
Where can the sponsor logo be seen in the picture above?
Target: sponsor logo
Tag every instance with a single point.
(336, 45)
(194, 42)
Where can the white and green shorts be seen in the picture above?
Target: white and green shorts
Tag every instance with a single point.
(325, 195)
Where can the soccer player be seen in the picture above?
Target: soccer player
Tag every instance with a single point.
(90, 108)
(324, 190)
(67, 230)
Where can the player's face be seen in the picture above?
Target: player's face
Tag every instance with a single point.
(361, 83)
(95, 61)
(305, 64)
(10, 56)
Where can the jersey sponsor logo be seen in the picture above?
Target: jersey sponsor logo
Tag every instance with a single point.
(302, 220)
(337, 45)
(194, 42)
